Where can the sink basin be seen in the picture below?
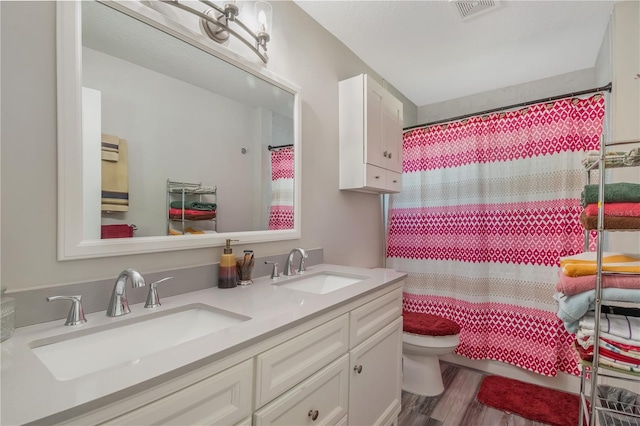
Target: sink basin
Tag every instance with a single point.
(87, 351)
(321, 283)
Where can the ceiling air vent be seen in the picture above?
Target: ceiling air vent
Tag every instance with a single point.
(469, 9)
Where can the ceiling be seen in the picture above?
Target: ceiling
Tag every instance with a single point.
(430, 54)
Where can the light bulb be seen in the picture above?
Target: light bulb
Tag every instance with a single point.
(262, 13)
(262, 20)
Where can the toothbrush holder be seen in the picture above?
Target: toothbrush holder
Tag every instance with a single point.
(244, 269)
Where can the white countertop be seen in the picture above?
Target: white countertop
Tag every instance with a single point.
(30, 392)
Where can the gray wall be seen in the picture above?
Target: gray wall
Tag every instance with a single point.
(511, 95)
(347, 225)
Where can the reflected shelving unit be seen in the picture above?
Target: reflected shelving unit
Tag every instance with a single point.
(191, 208)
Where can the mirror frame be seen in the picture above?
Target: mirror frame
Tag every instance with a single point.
(71, 244)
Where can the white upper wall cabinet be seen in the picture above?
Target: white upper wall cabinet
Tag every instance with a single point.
(370, 137)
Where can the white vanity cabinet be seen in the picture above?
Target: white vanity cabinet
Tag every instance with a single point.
(342, 367)
(370, 121)
(364, 384)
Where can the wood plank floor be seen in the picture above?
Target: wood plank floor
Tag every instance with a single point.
(457, 405)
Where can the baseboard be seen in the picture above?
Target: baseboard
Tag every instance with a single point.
(563, 382)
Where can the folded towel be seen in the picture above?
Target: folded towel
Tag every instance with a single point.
(110, 147)
(610, 222)
(617, 325)
(632, 158)
(193, 205)
(612, 158)
(614, 209)
(613, 358)
(585, 263)
(620, 310)
(586, 337)
(573, 285)
(621, 192)
(572, 308)
(115, 179)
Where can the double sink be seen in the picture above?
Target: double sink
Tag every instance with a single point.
(73, 355)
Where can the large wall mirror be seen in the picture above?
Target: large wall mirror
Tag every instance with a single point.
(167, 141)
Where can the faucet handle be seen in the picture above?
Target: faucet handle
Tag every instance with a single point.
(76, 314)
(153, 300)
(274, 271)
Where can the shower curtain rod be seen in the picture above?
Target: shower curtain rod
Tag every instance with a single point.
(523, 104)
(271, 147)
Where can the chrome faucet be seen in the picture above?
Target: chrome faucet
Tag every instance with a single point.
(288, 266)
(118, 304)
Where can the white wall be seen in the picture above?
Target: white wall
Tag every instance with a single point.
(345, 224)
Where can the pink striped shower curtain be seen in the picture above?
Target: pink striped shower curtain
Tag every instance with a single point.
(488, 205)
(281, 210)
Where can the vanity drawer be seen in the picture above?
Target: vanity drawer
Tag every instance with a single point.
(393, 181)
(282, 367)
(368, 319)
(322, 399)
(224, 398)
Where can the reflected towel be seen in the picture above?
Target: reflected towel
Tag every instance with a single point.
(110, 148)
(193, 205)
(191, 214)
(115, 180)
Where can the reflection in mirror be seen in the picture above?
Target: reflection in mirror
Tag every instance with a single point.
(175, 140)
(179, 114)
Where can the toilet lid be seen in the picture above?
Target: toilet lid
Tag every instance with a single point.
(428, 324)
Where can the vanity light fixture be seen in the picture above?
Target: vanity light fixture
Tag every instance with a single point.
(218, 23)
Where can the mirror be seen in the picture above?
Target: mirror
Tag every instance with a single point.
(166, 131)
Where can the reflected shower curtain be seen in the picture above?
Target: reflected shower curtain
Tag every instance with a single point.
(487, 207)
(281, 210)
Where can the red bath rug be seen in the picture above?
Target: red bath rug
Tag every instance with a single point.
(532, 402)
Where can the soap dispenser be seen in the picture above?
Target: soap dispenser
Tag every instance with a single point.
(227, 272)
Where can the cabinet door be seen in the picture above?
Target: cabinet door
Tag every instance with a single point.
(375, 377)
(392, 133)
(221, 399)
(322, 399)
(374, 145)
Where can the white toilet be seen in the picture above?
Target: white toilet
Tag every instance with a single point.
(425, 337)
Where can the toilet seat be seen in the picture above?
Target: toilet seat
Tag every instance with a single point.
(424, 338)
(428, 324)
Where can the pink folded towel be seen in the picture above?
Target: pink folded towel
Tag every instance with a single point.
(614, 209)
(574, 285)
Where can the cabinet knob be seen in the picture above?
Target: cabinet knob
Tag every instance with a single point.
(389, 155)
(357, 369)
(314, 414)
(385, 153)
(377, 177)
(395, 181)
